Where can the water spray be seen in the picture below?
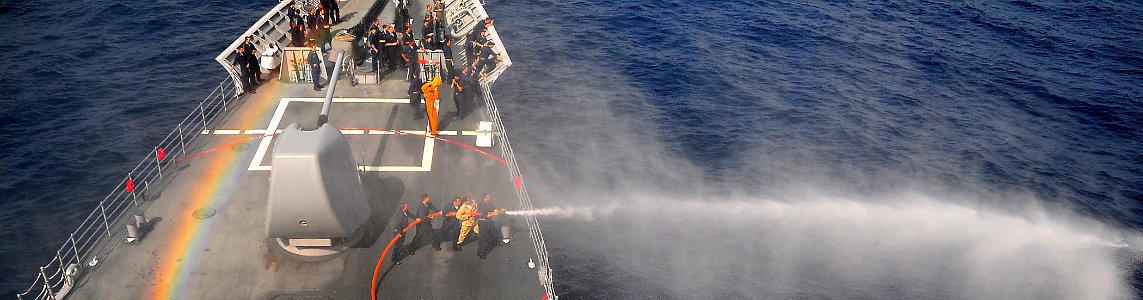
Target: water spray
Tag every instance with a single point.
(533, 212)
(587, 213)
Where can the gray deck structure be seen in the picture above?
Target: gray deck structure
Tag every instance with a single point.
(208, 240)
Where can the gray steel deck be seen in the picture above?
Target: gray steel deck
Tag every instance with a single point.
(226, 256)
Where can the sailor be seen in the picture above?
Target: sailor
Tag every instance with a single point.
(481, 27)
(458, 97)
(425, 233)
(312, 24)
(428, 12)
(392, 46)
(248, 44)
(481, 41)
(426, 45)
(415, 96)
(402, 17)
(408, 31)
(439, 32)
(376, 25)
(468, 84)
(438, 10)
(487, 60)
(408, 54)
(241, 66)
(292, 13)
(466, 215)
(325, 4)
(334, 12)
(255, 70)
(447, 49)
(400, 220)
(323, 24)
(448, 67)
(469, 49)
(450, 228)
(382, 40)
(375, 48)
(486, 220)
(432, 93)
(331, 12)
(315, 66)
(297, 35)
(427, 35)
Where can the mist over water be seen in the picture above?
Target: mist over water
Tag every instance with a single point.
(910, 246)
(841, 150)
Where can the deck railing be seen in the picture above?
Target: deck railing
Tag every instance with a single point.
(544, 271)
(104, 228)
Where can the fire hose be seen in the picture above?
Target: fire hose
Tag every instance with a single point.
(381, 260)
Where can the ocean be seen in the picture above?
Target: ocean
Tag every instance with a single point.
(719, 150)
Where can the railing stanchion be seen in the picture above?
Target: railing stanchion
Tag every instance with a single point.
(48, 284)
(74, 248)
(132, 192)
(202, 113)
(158, 163)
(103, 212)
(182, 144)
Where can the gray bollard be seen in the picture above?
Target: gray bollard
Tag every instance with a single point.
(132, 233)
(506, 234)
(141, 221)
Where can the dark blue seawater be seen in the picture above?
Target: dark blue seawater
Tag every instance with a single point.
(720, 133)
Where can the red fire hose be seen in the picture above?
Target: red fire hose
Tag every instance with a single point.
(377, 270)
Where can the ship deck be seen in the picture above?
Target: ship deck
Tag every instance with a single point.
(208, 238)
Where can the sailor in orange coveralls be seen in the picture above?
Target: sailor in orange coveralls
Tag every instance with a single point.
(431, 94)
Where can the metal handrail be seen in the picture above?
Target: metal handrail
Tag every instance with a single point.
(506, 152)
(97, 233)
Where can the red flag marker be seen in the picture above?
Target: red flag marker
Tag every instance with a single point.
(130, 185)
(161, 154)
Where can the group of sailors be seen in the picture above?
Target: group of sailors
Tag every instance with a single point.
(461, 219)
(246, 65)
(314, 24)
(393, 46)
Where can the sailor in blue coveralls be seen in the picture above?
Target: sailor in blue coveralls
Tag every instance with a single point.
(242, 63)
(400, 221)
(425, 233)
(415, 96)
(315, 67)
(489, 236)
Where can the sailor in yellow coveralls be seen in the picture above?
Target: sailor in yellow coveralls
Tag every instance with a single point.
(467, 216)
(431, 95)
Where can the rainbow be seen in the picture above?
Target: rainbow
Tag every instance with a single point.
(221, 172)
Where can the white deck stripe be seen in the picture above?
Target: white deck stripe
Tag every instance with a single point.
(345, 132)
(263, 146)
(351, 100)
(265, 143)
(427, 154)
